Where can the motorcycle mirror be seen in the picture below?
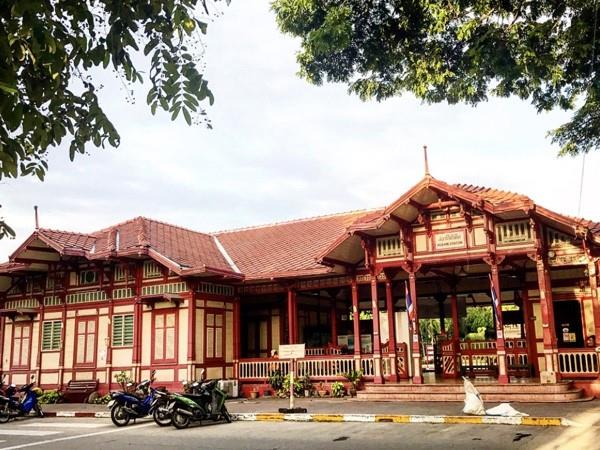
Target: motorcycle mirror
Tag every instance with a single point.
(203, 374)
(32, 377)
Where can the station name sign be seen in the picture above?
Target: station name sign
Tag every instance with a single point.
(450, 240)
(294, 351)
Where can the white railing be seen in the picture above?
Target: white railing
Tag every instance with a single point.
(513, 233)
(26, 303)
(261, 368)
(366, 365)
(321, 351)
(320, 367)
(578, 362)
(325, 367)
(388, 247)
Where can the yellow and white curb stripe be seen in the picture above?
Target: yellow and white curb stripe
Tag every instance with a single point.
(393, 418)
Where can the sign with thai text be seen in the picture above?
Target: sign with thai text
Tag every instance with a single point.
(567, 260)
(450, 240)
(293, 351)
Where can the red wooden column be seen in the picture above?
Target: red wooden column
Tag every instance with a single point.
(377, 367)
(38, 375)
(63, 334)
(137, 323)
(191, 341)
(292, 313)
(593, 275)
(500, 345)
(529, 330)
(551, 374)
(455, 320)
(356, 323)
(415, 332)
(236, 336)
(389, 304)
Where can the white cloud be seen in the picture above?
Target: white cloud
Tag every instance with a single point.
(282, 149)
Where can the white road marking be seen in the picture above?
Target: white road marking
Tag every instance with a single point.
(81, 436)
(27, 432)
(66, 425)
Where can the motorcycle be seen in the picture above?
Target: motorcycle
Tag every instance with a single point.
(205, 402)
(13, 405)
(144, 401)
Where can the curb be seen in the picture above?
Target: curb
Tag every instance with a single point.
(96, 415)
(383, 418)
(363, 418)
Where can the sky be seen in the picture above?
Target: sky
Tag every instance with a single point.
(283, 149)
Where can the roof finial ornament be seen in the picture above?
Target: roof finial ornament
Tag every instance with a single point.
(427, 174)
(37, 222)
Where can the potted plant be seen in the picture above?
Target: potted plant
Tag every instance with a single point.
(254, 393)
(306, 385)
(354, 377)
(321, 390)
(337, 389)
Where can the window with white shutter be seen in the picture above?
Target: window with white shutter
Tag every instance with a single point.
(51, 331)
(122, 332)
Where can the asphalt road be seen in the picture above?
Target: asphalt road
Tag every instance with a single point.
(71, 433)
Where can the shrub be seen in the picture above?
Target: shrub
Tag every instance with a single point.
(354, 377)
(102, 400)
(337, 389)
(50, 396)
(298, 389)
(306, 384)
(123, 379)
(276, 380)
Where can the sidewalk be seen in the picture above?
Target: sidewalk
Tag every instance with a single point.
(346, 409)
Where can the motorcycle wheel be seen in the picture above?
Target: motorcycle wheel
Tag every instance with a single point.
(162, 417)
(38, 411)
(119, 416)
(180, 421)
(4, 414)
(225, 414)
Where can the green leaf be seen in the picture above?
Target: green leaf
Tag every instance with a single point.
(186, 115)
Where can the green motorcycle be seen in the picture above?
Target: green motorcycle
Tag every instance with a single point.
(204, 402)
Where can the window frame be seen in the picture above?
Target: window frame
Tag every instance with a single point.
(165, 312)
(86, 333)
(22, 326)
(123, 344)
(214, 327)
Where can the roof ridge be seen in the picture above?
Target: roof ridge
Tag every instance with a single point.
(148, 219)
(478, 188)
(288, 222)
(64, 231)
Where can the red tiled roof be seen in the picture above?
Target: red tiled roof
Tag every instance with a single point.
(286, 249)
(278, 250)
(67, 239)
(189, 249)
(493, 196)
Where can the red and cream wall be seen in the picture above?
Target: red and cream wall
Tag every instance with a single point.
(174, 326)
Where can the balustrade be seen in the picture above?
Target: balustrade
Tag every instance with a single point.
(580, 362)
(389, 247)
(509, 233)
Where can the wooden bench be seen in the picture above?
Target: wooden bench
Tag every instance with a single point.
(473, 370)
(521, 370)
(78, 391)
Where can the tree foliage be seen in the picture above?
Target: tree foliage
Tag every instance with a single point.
(52, 51)
(49, 51)
(479, 317)
(458, 51)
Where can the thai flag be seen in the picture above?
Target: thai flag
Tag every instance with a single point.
(410, 309)
(496, 302)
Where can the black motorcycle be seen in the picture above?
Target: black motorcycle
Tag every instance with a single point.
(204, 402)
